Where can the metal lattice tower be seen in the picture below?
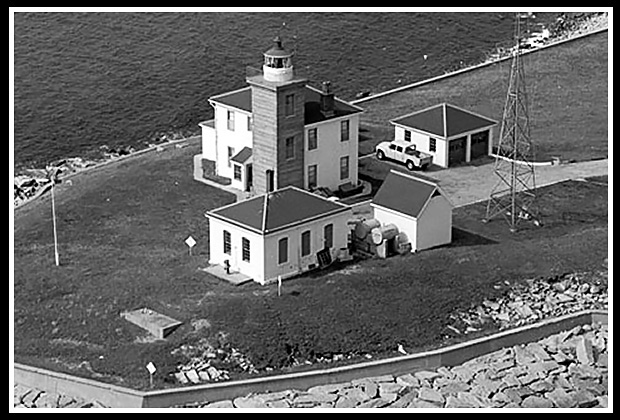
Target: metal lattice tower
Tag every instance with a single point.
(513, 197)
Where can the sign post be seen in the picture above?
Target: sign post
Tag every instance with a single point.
(190, 242)
(151, 368)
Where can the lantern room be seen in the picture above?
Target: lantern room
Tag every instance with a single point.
(278, 66)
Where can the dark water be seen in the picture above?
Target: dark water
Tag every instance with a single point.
(122, 79)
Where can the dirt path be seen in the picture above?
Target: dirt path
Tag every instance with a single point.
(470, 184)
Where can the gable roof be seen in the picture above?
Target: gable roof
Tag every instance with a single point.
(405, 193)
(243, 155)
(277, 210)
(242, 99)
(444, 120)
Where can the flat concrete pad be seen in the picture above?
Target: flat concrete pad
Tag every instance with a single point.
(234, 277)
(157, 324)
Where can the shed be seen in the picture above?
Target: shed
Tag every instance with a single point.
(282, 233)
(417, 206)
(449, 133)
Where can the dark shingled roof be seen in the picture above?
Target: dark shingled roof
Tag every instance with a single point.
(243, 155)
(444, 120)
(242, 99)
(285, 207)
(404, 193)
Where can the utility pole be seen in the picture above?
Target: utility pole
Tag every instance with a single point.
(513, 196)
(52, 176)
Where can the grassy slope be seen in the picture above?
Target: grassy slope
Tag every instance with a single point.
(567, 88)
(128, 252)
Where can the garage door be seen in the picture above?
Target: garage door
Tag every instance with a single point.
(479, 144)
(456, 150)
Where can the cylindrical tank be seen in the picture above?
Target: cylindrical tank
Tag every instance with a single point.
(381, 233)
(402, 243)
(363, 229)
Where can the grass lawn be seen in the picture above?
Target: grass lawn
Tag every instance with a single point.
(567, 88)
(121, 232)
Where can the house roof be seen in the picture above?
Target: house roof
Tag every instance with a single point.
(243, 155)
(405, 193)
(444, 120)
(277, 210)
(242, 99)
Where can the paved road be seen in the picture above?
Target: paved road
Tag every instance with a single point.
(469, 184)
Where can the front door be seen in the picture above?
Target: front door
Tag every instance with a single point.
(248, 177)
(456, 150)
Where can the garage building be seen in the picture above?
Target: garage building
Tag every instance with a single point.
(449, 133)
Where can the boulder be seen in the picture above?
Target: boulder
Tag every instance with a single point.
(220, 404)
(538, 351)
(541, 387)
(249, 402)
(405, 400)
(408, 380)
(536, 402)
(426, 375)
(345, 402)
(453, 387)
(560, 398)
(585, 354)
(471, 400)
(431, 395)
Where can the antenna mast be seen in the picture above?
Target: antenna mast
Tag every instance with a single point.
(513, 196)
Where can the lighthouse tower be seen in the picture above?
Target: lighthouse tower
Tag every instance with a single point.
(278, 98)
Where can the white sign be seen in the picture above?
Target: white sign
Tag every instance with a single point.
(190, 242)
(151, 368)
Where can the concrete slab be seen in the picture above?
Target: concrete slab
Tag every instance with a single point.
(157, 324)
(234, 277)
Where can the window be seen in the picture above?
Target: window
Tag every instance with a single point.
(226, 242)
(312, 169)
(237, 169)
(392, 147)
(289, 148)
(282, 250)
(399, 149)
(407, 135)
(289, 105)
(231, 153)
(312, 140)
(230, 120)
(344, 167)
(249, 123)
(328, 236)
(245, 249)
(344, 130)
(270, 180)
(305, 243)
(432, 145)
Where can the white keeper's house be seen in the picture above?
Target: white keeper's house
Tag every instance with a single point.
(417, 207)
(278, 234)
(449, 133)
(279, 131)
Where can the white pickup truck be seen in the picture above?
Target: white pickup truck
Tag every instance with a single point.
(403, 152)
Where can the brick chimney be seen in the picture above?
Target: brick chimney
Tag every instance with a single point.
(327, 100)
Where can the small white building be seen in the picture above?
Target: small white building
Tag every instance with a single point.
(449, 133)
(282, 233)
(418, 207)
